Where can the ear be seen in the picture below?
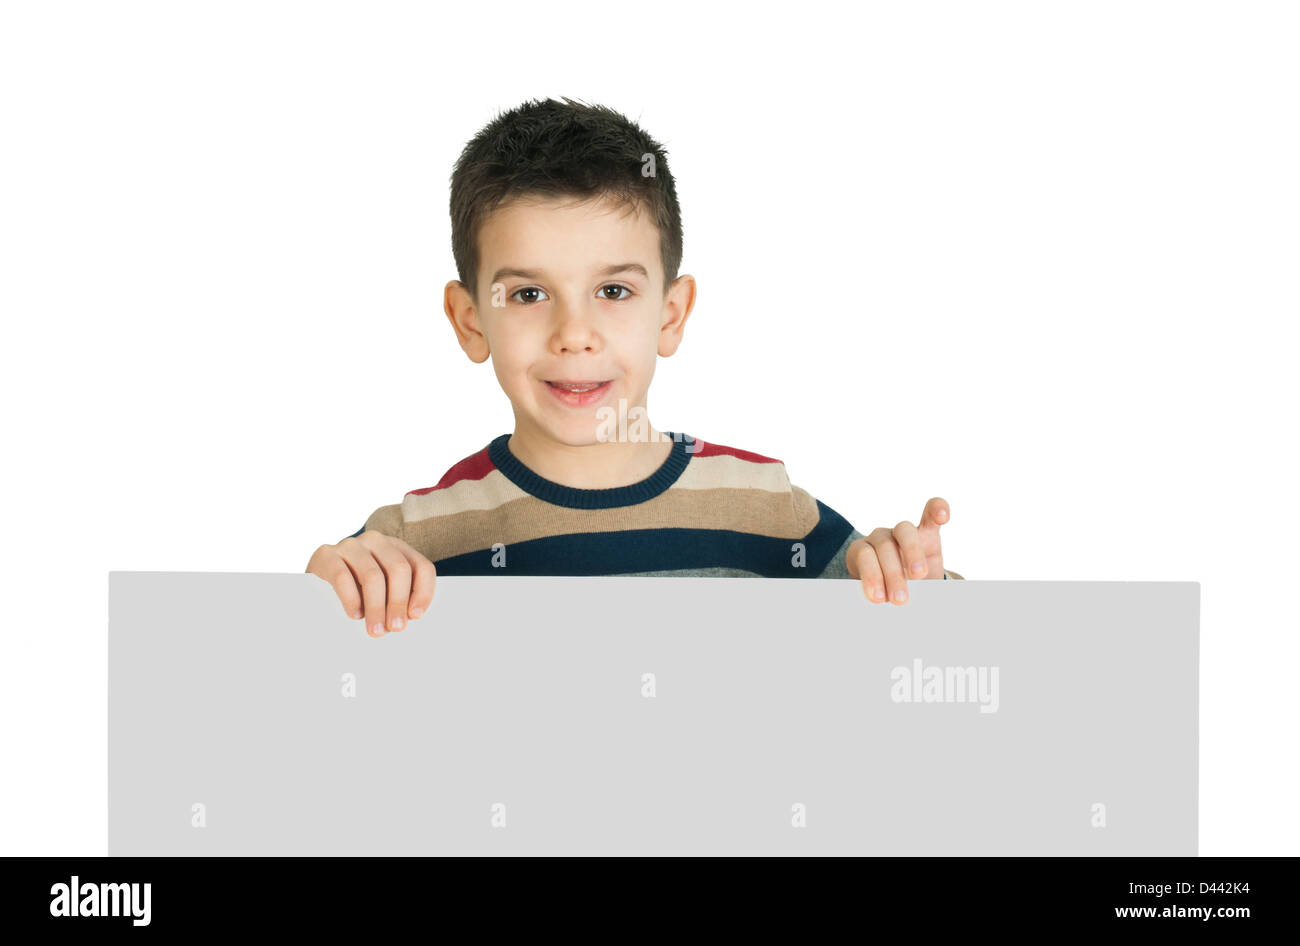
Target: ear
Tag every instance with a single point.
(678, 304)
(462, 313)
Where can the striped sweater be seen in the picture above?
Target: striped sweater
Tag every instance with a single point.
(709, 510)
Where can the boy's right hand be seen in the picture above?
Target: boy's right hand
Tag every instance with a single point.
(379, 574)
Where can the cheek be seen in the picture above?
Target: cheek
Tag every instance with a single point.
(511, 367)
(510, 354)
(639, 348)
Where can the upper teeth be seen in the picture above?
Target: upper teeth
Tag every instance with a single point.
(578, 387)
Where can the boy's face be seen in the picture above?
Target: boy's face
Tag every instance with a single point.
(569, 292)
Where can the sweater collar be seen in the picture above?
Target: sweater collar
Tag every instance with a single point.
(657, 482)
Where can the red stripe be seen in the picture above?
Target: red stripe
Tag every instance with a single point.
(718, 450)
(471, 468)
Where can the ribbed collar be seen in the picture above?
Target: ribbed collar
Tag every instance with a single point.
(514, 470)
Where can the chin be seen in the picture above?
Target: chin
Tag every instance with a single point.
(579, 432)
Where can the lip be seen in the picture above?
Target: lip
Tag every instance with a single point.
(585, 399)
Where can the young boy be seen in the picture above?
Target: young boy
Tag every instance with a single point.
(567, 238)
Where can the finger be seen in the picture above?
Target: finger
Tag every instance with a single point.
(913, 553)
(326, 563)
(424, 576)
(397, 571)
(370, 579)
(936, 513)
(868, 566)
(891, 563)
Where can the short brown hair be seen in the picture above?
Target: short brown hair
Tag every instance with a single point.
(557, 149)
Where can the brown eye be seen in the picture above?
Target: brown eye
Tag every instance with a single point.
(616, 288)
(532, 289)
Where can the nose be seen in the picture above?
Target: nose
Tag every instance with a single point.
(574, 330)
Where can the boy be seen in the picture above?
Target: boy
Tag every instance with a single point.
(567, 238)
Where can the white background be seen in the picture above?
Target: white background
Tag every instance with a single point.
(1037, 258)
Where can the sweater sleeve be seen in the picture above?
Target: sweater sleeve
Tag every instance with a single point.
(838, 566)
(386, 520)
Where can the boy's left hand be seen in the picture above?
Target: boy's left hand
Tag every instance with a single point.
(886, 558)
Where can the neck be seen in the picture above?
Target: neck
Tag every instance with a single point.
(589, 466)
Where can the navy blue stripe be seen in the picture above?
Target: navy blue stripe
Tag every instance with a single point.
(827, 537)
(645, 550)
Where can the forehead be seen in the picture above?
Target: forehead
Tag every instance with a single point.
(567, 233)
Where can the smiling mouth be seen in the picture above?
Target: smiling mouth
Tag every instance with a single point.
(577, 387)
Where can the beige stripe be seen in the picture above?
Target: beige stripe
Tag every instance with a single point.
(754, 511)
(386, 520)
(487, 493)
(806, 515)
(727, 472)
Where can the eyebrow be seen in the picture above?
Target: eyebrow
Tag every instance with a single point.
(611, 270)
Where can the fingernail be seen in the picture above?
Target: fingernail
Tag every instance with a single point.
(900, 595)
(356, 615)
(379, 630)
(416, 612)
(876, 594)
(918, 567)
(397, 624)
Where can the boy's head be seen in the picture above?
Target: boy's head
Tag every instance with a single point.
(567, 239)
